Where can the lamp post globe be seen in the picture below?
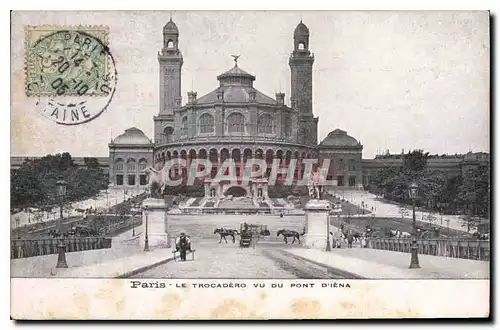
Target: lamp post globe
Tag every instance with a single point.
(413, 193)
(61, 193)
(146, 240)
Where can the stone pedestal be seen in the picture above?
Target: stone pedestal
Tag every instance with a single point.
(317, 214)
(157, 224)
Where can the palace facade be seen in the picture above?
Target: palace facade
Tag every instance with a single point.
(236, 121)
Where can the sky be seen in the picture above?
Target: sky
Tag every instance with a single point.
(393, 80)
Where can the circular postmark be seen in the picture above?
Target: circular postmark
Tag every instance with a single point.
(73, 74)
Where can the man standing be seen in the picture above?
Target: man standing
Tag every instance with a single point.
(350, 238)
(183, 244)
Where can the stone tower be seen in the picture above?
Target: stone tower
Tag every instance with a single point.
(301, 63)
(170, 61)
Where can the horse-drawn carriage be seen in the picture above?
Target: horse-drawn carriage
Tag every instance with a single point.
(249, 232)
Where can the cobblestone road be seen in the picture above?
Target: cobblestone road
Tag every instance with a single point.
(221, 261)
(265, 260)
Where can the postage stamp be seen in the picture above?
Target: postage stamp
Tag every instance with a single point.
(67, 61)
(209, 190)
(70, 71)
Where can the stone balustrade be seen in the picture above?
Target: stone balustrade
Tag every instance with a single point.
(464, 249)
(25, 248)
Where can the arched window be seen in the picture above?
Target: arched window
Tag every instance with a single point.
(184, 126)
(170, 44)
(206, 123)
(143, 164)
(340, 164)
(119, 165)
(265, 124)
(352, 165)
(236, 123)
(302, 46)
(131, 166)
(168, 133)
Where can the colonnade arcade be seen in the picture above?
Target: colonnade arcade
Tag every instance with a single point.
(239, 156)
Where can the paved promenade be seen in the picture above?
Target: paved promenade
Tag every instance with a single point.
(125, 256)
(115, 196)
(389, 210)
(381, 264)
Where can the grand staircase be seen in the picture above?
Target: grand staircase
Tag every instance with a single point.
(237, 203)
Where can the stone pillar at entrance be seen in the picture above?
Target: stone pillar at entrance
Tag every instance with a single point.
(157, 224)
(317, 215)
(207, 189)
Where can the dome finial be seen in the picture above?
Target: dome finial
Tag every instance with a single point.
(236, 59)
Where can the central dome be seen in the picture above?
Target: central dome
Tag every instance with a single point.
(236, 76)
(236, 85)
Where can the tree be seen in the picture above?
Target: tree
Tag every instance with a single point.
(34, 183)
(415, 161)
(474, 191)
(431, 185)
(91, 162)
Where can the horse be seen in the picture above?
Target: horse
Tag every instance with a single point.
(226, 232)
(155, 176)
(355, 235)
(290, 233)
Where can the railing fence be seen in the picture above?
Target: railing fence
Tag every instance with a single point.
(464, 249)
(25, 248)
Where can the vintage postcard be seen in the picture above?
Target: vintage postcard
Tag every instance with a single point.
(250, 165)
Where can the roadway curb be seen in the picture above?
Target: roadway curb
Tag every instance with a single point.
(344, 273)
(144, 268)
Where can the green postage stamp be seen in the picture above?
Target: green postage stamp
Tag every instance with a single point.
(67, 61)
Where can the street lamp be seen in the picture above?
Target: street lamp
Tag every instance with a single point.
(146, 241)
(61, 193)
(134, 212)
(413, 247)
(328, 246)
